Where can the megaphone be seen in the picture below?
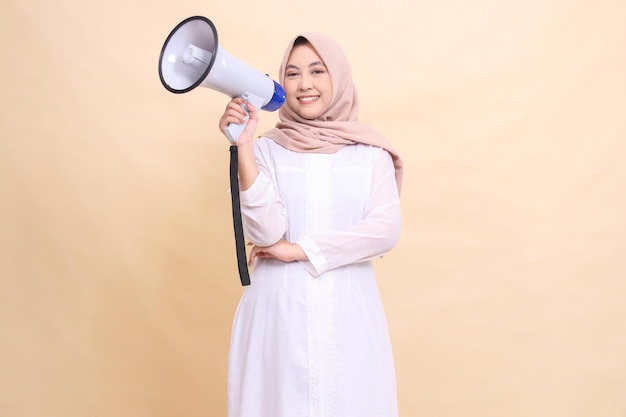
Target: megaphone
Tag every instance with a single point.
(191, 57)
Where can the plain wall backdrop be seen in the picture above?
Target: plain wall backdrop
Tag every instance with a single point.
(505, 296)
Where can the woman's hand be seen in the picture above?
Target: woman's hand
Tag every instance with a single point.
(234, 113)
(281, 250)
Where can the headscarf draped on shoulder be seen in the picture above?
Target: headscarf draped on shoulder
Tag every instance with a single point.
(338, 126)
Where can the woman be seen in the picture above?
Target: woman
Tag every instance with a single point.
(319, 201)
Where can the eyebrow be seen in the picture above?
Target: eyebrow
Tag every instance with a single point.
(312, 64)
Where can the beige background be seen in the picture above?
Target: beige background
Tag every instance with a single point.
(505, 296)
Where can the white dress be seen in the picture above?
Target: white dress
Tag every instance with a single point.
(310, 338)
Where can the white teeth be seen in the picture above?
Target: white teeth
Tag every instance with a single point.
(307, 99)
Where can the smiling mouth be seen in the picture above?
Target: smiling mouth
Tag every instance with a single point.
(308, 99)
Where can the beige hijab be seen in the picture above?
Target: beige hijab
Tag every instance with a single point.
(338, 126)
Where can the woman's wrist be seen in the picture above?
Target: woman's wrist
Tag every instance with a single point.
(298, 253)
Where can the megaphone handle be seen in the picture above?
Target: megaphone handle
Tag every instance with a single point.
(233, 130)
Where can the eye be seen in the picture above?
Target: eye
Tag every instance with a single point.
(292, 74)
(318, 71)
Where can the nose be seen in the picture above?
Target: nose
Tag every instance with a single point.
(305, 82)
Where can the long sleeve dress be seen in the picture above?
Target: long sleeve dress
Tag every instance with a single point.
(310, 338)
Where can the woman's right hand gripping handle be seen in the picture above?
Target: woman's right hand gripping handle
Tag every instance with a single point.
(235, 113)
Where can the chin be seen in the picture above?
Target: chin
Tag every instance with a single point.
(310, 114)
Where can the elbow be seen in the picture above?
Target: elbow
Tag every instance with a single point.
(392, 231)
(393, 235)
(270, 238)
(387, 236)
(264, 236)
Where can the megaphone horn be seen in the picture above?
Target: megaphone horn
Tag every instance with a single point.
(191, 57)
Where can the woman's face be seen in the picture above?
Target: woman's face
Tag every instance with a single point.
(307, 82)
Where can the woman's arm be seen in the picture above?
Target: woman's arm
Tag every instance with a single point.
(376, 234)
(282, 250)
(263, 213)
